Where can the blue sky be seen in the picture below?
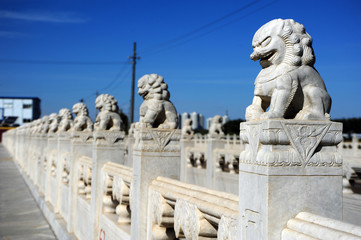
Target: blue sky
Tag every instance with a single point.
(205, 62)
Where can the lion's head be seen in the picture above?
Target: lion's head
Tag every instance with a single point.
(80, 109)
(282, 41)
(65, 113)
(106, 102)
(152, 86)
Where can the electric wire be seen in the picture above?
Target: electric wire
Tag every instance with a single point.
(212, 30)
(186, 35)
(20, 61)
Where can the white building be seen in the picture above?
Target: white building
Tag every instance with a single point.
(24, 109)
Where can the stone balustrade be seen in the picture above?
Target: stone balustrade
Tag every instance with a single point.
(211, 161)
(179, 210)
(310, 226)
(94, 182)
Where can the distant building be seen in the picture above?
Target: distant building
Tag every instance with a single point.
(19, 110)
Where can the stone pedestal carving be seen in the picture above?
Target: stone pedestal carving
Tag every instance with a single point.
(156, 153)
(287, 166)
(108, 146)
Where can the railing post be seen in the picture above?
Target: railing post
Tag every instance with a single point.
(81, 146)
(108, 146)
(156, 153)
(288, 166)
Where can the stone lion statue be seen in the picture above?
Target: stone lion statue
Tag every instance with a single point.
(108, 117)
(216, 126)
(187, 128)
(45, 124)
(53, 122)
(156, 111)
(66, 122)
(288, 84)
(82, 120)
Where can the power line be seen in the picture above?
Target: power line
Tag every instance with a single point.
(115, 78)
(21, 61)
(110, 84)
(186, 35)
(210, 31)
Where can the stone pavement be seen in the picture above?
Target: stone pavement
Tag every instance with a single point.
(20, 217)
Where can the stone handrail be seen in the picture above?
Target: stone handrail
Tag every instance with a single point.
(116, 189)
(306, 226)
(192, 212)
(85, 177)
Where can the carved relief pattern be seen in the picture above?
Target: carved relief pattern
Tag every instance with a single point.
(291, 144)
(251, 224)
(121, 193)
(190, 222)
(108, 205)
(82, 137)
(109, 138)
(157, 140)
(227, 229)
(65, 157)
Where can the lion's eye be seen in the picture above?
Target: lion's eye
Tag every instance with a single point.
(266, 41)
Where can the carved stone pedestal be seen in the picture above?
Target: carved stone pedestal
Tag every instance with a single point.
(156, 153)
(108, 146)
(287, 166)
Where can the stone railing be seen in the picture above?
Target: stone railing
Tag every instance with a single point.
(310, 226)
(115, 216)
(89, 193)
(351, 151)
(211, 161)
(179, 210)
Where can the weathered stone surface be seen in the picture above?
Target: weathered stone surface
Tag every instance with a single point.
(156, 111)
(288, 84)
(82, 120)
(108, 117)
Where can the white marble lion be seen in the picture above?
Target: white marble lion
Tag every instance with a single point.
(288, 84)
(108, 117)
(82, 120)
(66, 122)
(156, 111)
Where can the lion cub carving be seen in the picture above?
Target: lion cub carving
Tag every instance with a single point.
(108, 117)
(156, 111)
(288, 84)
(82, 120)
(66, 122)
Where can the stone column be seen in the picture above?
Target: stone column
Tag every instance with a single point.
(81, 145)
(287, 166)
(156, 153)
(213, 142)
(64, 143)
(43, 142)
(51, 154)
(108, 146)
(185, 142)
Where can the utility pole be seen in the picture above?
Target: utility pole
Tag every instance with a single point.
(96, 110)
(134, 61)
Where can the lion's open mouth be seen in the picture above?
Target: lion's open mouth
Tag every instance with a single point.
(267, 56)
